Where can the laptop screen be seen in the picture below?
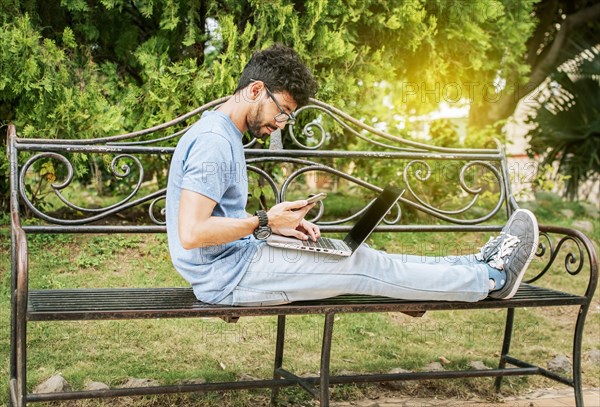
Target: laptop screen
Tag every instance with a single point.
(371, 218)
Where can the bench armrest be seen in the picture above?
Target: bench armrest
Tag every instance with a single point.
(576, 248)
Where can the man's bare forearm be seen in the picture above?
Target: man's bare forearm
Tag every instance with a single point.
(217, 230)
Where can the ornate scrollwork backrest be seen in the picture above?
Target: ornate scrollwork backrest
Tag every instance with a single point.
(325, 143)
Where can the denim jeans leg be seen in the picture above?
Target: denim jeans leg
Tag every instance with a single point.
(277, 276)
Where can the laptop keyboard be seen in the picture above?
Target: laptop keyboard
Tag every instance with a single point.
(326, 243)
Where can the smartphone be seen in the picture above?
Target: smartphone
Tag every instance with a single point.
(316, 198)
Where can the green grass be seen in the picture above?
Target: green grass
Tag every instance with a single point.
(175, 350)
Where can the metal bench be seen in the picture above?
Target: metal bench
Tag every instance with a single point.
(324, 126)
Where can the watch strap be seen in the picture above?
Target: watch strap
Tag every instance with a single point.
(263, 219)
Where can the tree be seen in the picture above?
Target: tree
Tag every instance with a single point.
(153, 59)
(561, 26)
(566, 121)
(89, 68)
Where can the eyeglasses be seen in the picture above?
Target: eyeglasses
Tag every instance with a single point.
(281, 117)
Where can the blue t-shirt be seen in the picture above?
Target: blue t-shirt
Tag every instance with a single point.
(209, 159)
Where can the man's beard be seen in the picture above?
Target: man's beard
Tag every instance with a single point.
(255, 126)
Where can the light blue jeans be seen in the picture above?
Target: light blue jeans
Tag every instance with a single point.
(278, 276)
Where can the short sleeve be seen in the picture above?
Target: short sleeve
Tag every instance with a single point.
(207, 166)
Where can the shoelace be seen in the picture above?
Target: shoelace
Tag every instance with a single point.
(504, 250)
(496, 249)
(488, 249)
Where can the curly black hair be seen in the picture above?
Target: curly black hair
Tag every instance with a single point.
(281, 69)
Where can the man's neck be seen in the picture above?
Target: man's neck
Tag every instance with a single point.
(237, 112)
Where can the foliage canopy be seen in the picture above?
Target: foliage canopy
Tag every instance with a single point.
(90, 68)
(95, 67)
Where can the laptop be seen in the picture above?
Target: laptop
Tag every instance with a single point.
(357, 235)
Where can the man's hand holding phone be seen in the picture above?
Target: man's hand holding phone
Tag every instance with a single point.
(287, 218)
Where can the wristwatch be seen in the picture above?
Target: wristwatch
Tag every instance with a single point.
(263, 230)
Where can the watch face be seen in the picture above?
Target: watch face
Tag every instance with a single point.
(262, 233)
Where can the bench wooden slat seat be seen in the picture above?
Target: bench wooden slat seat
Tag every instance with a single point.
(127, 303)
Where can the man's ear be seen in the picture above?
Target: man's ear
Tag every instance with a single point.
(254, 90)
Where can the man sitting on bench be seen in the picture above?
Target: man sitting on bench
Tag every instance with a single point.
(221, 251)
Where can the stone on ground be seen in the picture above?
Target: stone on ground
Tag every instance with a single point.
(54, 384)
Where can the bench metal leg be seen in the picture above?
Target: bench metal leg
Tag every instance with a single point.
(13, 313)
(19, 331)
(278, 356)
(325, 358)
(510, 318)
(18, 325)
(21, 362)
(18, 344)
(577, 341)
